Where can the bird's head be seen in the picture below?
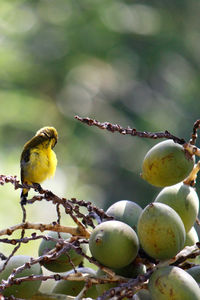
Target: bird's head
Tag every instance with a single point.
(48, 133)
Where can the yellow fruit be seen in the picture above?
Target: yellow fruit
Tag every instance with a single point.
(167, 163)
(161, 231)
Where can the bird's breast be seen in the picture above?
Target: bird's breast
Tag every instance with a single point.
(41, 165)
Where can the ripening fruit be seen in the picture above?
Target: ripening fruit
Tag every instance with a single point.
(161, 231)
(73, 288)
(168, 283)
(184, 200)
(132, 270)
(167, 163)
(26, 289)
(142, 295)
(125, 211)
(191, 237)
(62, 263)
(101, 288)
(114, 244)
(195, 273)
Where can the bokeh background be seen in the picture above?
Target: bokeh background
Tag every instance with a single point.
(135, 63)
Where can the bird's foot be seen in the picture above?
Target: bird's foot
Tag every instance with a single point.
(38, 187)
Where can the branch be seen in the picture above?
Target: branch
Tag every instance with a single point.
(194, 132)
(131, 131)
(42, 227)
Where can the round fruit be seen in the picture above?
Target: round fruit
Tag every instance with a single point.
(142, 295)
(114, 244)
(62, 263)
(169, 283)
(167, 163)
(161, 231)
(101, 288)
(195, 273)
(191, 237)
(132, 270)
(26, 289)
(73, 288)
(125, 211)
(184, 200)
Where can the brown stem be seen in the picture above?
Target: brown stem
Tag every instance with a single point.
(131, 131)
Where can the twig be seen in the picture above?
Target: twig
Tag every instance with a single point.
(191, 179)
(42, 227)
(131, 131)
(194, 132)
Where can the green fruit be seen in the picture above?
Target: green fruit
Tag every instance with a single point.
(125, 211)
(167, 163)
(195, 273)
(184, 200)
(142, 295)
(132, 270)
(26, 289)
(101, 288)
(114, 244)
(73, 288)
(169, 283)
(62, 263)
(191, 237)
(161, 231)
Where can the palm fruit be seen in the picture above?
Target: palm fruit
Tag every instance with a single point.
(101, 288)
(73, 288)
(184, 200)
(167, 163)
(125, 211)
(62, 263)
(142, 295)
(24, 290)
(114, 244)
(167, 283)
(191, 237)
(195, 273)
(161, 231)
(132, 270)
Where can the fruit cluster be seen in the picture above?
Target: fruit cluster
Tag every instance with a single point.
(162, 229)
(134, 242)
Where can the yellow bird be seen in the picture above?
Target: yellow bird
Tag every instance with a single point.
(38, 161)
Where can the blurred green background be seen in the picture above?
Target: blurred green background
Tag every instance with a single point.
(135, 63)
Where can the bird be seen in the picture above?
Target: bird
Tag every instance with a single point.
(38, 160)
